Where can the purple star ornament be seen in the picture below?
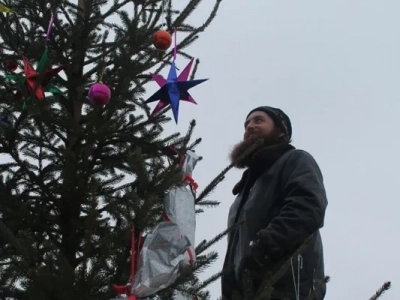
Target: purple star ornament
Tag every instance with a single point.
(161, 82)
(173, 89)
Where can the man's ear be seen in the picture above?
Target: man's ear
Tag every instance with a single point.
(283, 137)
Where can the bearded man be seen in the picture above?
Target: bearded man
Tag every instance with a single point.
(280, 204)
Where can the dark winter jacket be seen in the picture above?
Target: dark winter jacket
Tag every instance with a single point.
(281, 201)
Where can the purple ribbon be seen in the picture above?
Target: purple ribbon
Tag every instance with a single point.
(174, 44)
(50, 27)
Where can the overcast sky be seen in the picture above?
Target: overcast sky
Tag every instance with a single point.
(334, 68)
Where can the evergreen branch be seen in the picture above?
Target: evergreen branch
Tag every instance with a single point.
(196, 66)
(194, 143)
(385, 287)
(189, 133)
(211, 186)
(204, 261)
(186, 12)
(22, 250)
(66, 16)
(267, 286)
(209, 281)
(209, 203)
(100, 57)
(192, 35)
(204, 245)
(30, 174)
(114, 8)
(313, 294)
(221, 176)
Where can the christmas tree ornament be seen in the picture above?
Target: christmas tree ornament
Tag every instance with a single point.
(162, 40)
(5, 120)
(30, 79)
(169, 248)
(174, 89)
(10, 65)
(5, 9)
(99, 94)
(161, 82)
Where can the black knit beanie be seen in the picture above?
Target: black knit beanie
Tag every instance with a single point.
(279, 117)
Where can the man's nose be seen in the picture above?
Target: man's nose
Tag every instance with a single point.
(250, 126)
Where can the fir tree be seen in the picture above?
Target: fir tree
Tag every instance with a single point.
(76, 177)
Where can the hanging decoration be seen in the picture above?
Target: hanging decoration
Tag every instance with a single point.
(5, 9)
(5, 120)
(31, 76)
(169, 248)
(99, 93)
(162, 39)
(161, 82)
(174, 88)
(10, 65)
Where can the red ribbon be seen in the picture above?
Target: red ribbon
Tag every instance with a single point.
(135, 256)
(191, 181)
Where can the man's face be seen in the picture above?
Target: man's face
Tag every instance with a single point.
(258, 125)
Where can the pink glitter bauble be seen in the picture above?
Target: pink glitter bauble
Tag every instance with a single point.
(99, 94)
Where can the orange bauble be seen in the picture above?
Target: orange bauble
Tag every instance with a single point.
(162, 40)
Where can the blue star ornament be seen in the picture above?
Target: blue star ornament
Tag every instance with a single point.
(174, 90)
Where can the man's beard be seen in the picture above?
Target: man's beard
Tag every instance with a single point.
(242, 153)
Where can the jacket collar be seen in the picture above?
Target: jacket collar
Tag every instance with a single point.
(262, 160)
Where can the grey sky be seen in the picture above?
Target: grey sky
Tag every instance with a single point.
(334, 68)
